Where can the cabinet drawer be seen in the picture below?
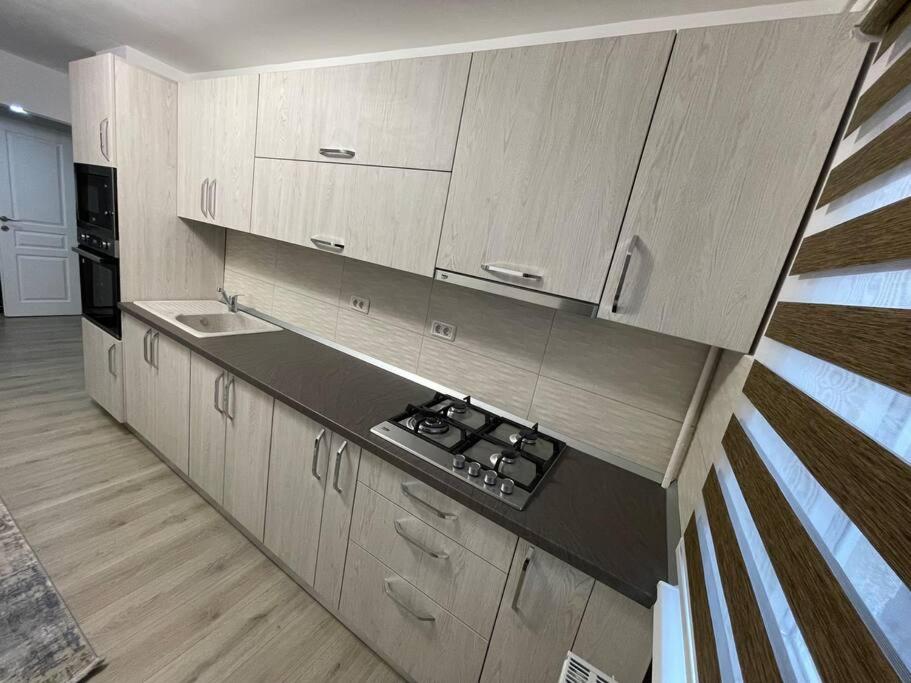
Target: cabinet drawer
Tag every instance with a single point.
(456, 578)
(479, 535)
(388, 216)
(399, 113)
(407, 627)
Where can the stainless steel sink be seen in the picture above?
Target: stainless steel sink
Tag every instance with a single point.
(223, 323)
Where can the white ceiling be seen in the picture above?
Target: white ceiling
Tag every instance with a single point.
(208, 35)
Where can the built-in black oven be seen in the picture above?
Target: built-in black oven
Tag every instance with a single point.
(97, 235)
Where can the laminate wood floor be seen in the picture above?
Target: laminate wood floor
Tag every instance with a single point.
(163, 586)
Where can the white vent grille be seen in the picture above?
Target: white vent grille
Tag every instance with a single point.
(577, 670)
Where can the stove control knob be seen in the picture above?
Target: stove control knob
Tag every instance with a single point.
(507, 486)
(490, 477)
(474, 469)
(458, 461)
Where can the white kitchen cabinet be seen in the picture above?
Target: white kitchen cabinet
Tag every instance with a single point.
(336, 521)
(549, 143)
(745, 119)
(216, 140)
(92, 110)
(103, 361)
(401, 113)
(207, 426)
(387, 216)
(298, 474)
(157, 389)
(540, 614)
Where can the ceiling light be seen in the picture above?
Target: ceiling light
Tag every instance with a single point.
(18, 109)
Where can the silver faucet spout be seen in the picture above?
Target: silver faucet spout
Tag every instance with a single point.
(229, 299)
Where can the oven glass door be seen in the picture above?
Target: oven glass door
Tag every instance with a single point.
(100, 280)
(95, 198)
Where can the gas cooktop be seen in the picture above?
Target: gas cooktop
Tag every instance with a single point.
(496, 455)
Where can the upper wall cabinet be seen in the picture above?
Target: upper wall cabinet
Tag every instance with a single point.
(92, 110)
(400, 113)
(216, 139)
(547, 152)
(746, 117)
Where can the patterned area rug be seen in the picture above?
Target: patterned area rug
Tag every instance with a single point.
(40, 641)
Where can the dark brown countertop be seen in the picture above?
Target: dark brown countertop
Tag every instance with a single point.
(599, 518)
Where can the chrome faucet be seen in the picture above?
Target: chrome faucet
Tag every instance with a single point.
(229, 299)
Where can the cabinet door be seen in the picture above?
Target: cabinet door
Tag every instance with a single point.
(298, 469)
(549, 143)
(171, 368)
(216, 138)
(139, 380)
(102, 359)
(92, 110)
(387, 216)
(398, 113)
(207, 426)
(538, 619)
(195, 148)
(339, 501)
(249, 433)
(746, 117)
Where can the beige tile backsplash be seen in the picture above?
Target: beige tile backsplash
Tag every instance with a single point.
(616, 388)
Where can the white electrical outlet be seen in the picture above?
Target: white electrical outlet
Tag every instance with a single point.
(361, 304)
(443, 330)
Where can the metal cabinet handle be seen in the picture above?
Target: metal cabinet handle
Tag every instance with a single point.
(111, 363)
(337, 152)
(626, 259)
(229, 397)
(522, 574)
(510, 272)
(314, 463)
(203, 196)
(387, 588)
(218, 380)
(338, 466)
(436, 554)
(213, 194)
(435, 510)
(328, 242)
(153, 349)
(103, 138)
(145, 346)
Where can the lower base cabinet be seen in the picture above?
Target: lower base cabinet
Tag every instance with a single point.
(103, 361)
(409, 629)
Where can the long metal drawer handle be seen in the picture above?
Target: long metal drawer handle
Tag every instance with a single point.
(111, 368)
(103, 138)
(510, 272)
(337, 152)
(626, 259)
(218, 381)
(145, 346)
(204, 196)
(213, 197)
(439, 513)
(338, 465)
(521, 582)
(229, 397)
(436, 554)
(387, 588)
(328, 242)
(315, 461)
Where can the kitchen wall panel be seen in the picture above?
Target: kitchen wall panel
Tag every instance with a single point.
(620, 390)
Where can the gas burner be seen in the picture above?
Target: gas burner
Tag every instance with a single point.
(431, 425)
(524, 436)
(457, 409)
(507, 455)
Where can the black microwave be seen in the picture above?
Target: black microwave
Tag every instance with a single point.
(96, 201)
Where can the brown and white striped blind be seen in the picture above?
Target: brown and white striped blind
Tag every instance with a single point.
(797, 560)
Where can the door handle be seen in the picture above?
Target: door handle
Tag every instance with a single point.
(153, 349)
(338, 466)
(95, 258)
(203, 196)
(315, 461)
(213, 194)
(337, 152)
(111, 355)
(103, 129)
(229, 397)
(219, 380)
(521, 582)
(145, 346)
(7, 219)
(510, 272)
(615, 304)
(328, 242)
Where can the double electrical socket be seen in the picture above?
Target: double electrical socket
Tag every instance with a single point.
(361, 304)
(443, 330)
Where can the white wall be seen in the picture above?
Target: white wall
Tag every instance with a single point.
(40, 89)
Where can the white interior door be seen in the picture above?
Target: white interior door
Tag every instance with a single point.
(38, 271)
